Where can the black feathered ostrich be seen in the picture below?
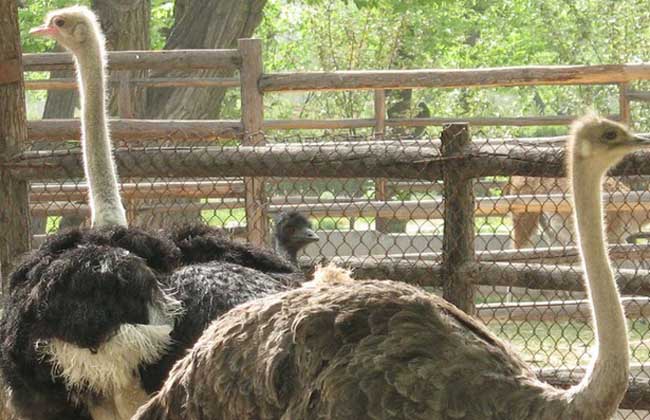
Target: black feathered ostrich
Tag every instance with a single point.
(95, 317)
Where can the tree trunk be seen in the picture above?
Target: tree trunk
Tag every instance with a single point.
(126, 26)
(198, 24)
(14, 211)
(202, 24)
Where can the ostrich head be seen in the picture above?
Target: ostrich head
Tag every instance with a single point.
(601, 143)
(72, 27)
(292, 233)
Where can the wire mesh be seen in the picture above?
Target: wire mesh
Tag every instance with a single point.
(388, 226)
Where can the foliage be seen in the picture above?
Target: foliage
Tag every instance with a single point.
(383, 34)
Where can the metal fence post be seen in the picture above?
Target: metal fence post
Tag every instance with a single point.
(252, 116)
(458, 241)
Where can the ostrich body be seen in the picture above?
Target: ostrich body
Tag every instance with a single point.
(219, 274)
(340, 349)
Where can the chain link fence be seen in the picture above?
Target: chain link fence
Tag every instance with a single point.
(379, 206)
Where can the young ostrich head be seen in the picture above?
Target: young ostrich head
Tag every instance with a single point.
(77, 29)
(293, 232)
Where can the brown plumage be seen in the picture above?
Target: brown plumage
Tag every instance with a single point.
(340, 349)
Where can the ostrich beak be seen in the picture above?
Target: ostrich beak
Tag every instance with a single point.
(309, 236)
(43, 30)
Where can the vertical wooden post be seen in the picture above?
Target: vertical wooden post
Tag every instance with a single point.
(381, 194)
(14, 207)
(252, 116)
(458, 240)
(124, 101)
(624, 104)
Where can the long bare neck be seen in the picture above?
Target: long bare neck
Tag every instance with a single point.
(104, 196)
(603, 387)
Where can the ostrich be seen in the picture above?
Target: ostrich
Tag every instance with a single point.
(221, 274)
(341, 349)
(95, 318)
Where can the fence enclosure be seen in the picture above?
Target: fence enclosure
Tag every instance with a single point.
(224, 164)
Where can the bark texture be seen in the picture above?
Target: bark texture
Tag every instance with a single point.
(203, 24)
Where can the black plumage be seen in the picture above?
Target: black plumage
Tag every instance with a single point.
(81, 285)
(78, 287)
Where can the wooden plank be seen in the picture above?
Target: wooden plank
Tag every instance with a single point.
(333, 124)
(252, 115)
(154, 82)
(359, 160)
(458, 238)
(40, 192)
(636, 95)
(545, 255)
(553, 120)
(637, 396)
(124, 101)
(462, 78)
(142, 60)
(14, 211)
(555, 310)
(556, 277)
(138, 130)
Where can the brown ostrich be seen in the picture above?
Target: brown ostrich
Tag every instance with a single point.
(385, 350)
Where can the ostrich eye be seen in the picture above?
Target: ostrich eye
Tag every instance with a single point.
(610, 135)
(59, 22)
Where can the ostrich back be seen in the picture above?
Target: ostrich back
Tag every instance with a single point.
(361, 350)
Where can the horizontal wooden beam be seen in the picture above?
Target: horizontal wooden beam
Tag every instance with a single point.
(443, 78)
(359, 160)
(141, 60)
(636, 95)
(138, 130)
(280, 160)
(545, 255)
(539, 276)
(555, 310)
(73, 192)
(485, 206)
(154, 82)
(554, 120)
(531, 276)
(637, 396)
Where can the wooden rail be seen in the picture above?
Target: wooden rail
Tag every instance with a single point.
(142, 60)
(464, 78)
(155, 82)
(332, 161)
(139, 130)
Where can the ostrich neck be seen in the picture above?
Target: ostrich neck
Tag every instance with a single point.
(105, 202)
(606, 381)
(287, 252)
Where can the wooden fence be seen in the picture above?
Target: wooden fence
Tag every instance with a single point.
(456, 162)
